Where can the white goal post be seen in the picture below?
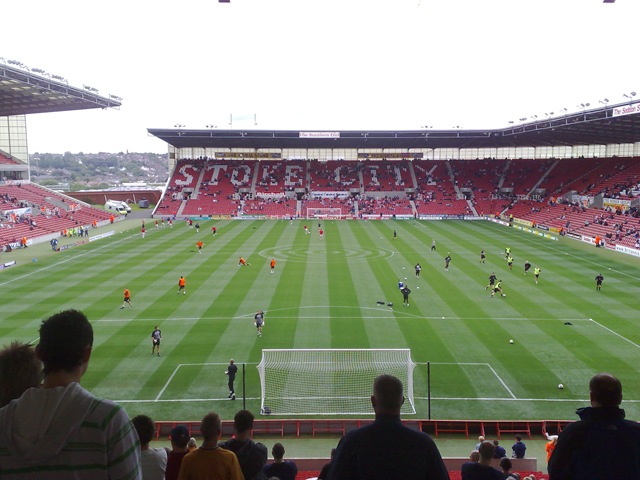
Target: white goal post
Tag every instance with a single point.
(334, 213)
(329, 381)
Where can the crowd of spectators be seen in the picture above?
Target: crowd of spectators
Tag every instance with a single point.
(62, 441)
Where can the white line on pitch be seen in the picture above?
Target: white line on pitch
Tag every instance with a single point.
(501, 381)
(182, 400)
(550, 247)
(615, 333)
(175, 371)
(66, 260)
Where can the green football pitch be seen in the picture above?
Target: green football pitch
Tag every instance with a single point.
(325, 293)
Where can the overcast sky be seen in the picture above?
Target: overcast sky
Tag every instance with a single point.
(318, 64)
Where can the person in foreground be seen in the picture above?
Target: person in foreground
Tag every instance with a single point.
(482, 469)
(386, 448)
(210, 462)
(20, 369)
(252, 456)
(61, 430)
(602, 444)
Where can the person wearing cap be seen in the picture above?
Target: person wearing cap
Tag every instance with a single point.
(179, 437)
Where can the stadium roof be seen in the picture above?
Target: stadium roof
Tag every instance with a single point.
(612, 124)
(23, 92)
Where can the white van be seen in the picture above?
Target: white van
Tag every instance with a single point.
(117, 206)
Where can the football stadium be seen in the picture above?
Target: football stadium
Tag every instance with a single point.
(319, 232)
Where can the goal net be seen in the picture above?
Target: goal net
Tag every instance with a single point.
(330, 381)
(326, 213)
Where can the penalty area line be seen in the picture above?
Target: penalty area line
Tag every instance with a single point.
(183, 400)
(613, 332)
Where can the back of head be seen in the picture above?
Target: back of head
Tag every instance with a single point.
(387, 391)
(145, 428)
(486, 450)
(20, 369)
(605, 390)
(277, 451)
(474, 456)
(179, 437)
(243, 421)
(506, 464)
(210, 427)
(64, 338)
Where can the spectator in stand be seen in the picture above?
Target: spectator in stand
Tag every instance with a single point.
(602, 444)
(474, 456)
(179, 437)
(38, 446)
(500, 451)
(20, 369)
(192, 445)
(551, 445)
(386, 448)
(506, 466)
(153, 461)
(480, 440)
(482, 470)
(518, 448)
(280, 468)
(210, 462)
(251, 455)
(324, 473)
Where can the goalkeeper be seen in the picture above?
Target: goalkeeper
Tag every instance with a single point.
(231, 371)
(259, 321)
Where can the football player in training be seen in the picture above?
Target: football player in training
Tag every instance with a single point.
(259, 321)
(492, 281)
(127, 299)
(156, 336)
(497, 288)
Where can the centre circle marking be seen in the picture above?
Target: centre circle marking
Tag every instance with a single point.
(319, 254)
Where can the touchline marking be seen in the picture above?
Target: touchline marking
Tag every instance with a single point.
(66, 260)
(550, 247)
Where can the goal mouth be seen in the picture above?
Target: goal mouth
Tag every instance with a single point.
(333, 213)
(330, 381)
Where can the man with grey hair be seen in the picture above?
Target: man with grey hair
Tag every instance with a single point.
(386, 448)
(602, 445)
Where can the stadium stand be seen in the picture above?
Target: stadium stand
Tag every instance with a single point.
(41, 212)
(7, 160)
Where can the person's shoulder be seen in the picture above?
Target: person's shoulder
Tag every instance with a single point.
(469, 466)
(226, 452)
(260, 446)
